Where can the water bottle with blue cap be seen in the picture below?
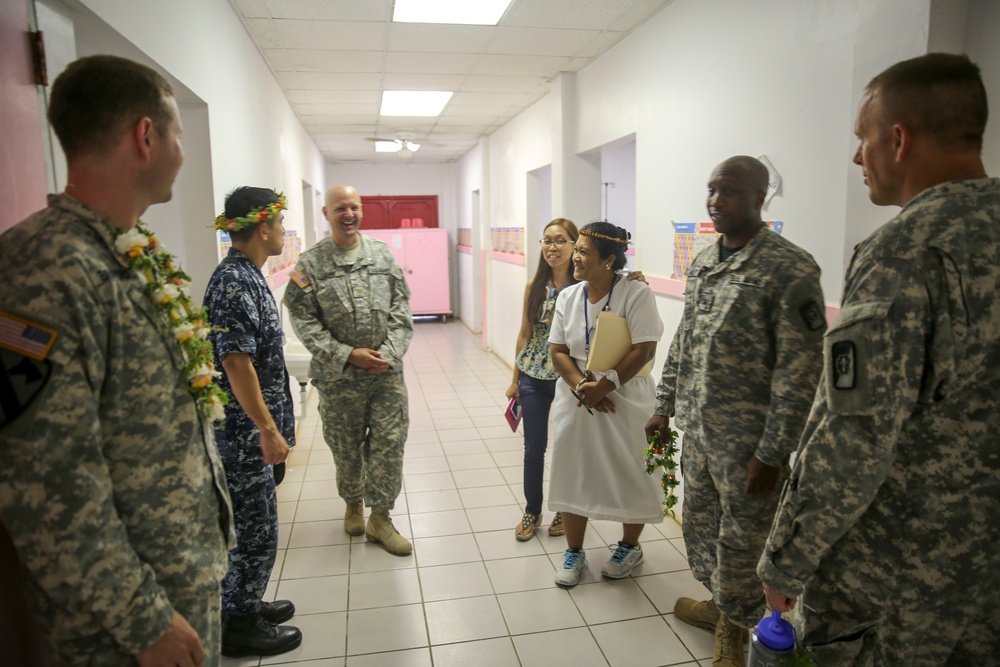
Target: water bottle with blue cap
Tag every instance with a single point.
(772, 643)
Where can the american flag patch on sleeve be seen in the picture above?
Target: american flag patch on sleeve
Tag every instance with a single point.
(299, 278)
(24, 337)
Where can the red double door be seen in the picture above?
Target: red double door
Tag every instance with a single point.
(400, 212)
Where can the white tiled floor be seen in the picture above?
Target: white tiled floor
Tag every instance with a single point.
(471, 594)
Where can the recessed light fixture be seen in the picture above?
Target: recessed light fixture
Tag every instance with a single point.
(414, 102)
(465, 12)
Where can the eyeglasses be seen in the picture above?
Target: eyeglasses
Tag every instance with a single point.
(550, 242)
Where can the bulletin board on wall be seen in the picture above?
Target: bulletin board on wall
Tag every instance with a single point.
(690, 238)
(278, 266)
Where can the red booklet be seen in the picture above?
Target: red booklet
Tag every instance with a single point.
(513, 414)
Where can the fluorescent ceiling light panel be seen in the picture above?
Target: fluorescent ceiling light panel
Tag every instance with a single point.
(414, 102)
(386, 146)
(466, 12)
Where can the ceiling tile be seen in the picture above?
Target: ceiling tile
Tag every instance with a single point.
(486, 99)
(418, 81)
(339, 80)
(637, 13)
(335, 109)
(436, 38)
(297, 96)
(439, 63)
(333, 59)
(331, 34)
(502, 84)
(331, 10)
(577, 14)
(540, 41)
(328, 60)
(278, 60)
(373, 97)
(289, 80)
(253, 9)
(602, 43)
(543, 66)
(264, 33)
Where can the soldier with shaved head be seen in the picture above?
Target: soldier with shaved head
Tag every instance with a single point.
(739, 379)
(349, 304)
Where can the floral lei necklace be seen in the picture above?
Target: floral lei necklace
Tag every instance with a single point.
(661, 454)
(168, 288)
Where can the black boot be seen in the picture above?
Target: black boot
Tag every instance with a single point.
(277, 612)
(250, 634)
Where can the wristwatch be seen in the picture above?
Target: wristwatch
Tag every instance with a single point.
(613, 376)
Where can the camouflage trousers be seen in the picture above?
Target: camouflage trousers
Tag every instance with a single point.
(255, 517)
(725, 529)
(365, 424)
(847, 620)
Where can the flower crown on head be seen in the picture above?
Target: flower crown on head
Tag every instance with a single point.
(587, 232)
(257, 215)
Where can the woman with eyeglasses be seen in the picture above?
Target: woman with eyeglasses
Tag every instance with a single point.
(534, 382)
(598, 418)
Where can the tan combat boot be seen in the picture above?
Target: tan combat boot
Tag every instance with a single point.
(729, 640)
(381, 530)
(702, 614)
(354, 518)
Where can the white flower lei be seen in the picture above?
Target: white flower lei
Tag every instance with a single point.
(167, 288)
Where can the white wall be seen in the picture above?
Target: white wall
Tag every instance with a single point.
(982, 44)
(519, 147)
(248, 133)
(781, 79)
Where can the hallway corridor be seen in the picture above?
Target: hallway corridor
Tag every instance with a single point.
(471, 594)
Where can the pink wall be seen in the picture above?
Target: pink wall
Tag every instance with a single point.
(22, 163)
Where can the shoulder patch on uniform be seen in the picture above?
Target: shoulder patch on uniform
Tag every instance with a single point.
(22, 379)
(842, 359)
(24, 337)
(812, 315)
(299, 278)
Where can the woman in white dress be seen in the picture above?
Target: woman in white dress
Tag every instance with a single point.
(597, 419)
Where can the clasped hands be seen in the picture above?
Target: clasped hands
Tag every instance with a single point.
(593, 393)
(369, 360)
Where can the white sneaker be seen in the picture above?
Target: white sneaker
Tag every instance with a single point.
(574, 562)
(622, 562)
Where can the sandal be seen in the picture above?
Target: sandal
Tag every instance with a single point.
(556, 528)
(526, 529)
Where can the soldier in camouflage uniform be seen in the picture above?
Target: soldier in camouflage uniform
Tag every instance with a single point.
(260, 421)
(110, 483)
(740, 376)
(888, 526)
(349, 304)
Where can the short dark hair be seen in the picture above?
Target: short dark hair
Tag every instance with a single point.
(606, 248)
(941, 94)
(241, 201)
(97, 98)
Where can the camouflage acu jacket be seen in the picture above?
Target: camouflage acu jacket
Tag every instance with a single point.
(898, 474)
(744, 362)
(110, 482)
(336, 307)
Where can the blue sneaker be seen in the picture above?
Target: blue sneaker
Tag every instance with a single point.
(622, 562)
(574, 562)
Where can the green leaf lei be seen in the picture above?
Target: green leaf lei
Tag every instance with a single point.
(168, 288)
(661, 455)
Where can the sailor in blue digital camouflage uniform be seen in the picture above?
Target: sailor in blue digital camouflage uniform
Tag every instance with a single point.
(260, 423)
(889, 526)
